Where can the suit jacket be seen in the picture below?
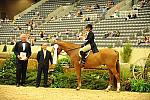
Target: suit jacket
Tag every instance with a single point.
(19, 48)
(42, 61)
(90, 40)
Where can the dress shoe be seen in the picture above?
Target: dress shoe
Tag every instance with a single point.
(37, 86)
(45, 86)
(17, 85)
(23, 85)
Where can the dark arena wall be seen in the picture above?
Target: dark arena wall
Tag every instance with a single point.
(10, 8)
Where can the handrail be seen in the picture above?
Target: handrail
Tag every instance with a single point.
(62, 10)
(124, 5)
(29, 9)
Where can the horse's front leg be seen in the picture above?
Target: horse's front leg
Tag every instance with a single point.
(78, 72)
(110, 81)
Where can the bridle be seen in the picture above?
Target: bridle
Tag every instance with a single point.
(73, 49)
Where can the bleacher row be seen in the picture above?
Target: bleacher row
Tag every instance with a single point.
(126, 27)
(7, 31)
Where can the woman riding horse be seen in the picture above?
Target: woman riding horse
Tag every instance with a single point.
(89, 45)
(106, 56)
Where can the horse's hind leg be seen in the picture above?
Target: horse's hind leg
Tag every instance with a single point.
(78, 72)
(110, 81)
(117, 76)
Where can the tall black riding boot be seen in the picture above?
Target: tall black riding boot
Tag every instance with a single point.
(83, 57)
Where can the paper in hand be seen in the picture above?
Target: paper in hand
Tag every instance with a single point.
(23, 55)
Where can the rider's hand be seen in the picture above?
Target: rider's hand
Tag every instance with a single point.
(26, 58)
(82, 45)
(18, 57)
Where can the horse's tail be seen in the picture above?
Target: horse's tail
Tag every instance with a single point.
(117, 63)
(117, 68)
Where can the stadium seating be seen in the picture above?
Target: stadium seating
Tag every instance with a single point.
(127, 28)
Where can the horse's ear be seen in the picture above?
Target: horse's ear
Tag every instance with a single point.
(55, 41)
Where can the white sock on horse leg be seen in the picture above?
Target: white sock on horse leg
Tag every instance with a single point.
(118, 86)
(109, 86)
(80, 85)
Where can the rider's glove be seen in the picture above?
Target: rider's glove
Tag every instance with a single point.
(82, 45)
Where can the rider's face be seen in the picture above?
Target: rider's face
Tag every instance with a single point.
(87, 29)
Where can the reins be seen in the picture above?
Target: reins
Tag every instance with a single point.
(73, 49)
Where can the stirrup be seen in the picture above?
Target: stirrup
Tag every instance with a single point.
(82, 62)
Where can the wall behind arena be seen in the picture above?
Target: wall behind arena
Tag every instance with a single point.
(137, 53)
(10, 8)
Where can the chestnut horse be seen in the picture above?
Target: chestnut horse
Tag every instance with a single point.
(106, 56)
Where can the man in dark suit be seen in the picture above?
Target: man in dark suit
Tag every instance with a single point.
(43, 58)
(22, 51)
(89, 44)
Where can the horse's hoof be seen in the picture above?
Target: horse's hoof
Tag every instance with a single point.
(77, 88)
(118, 91)
(106, 90)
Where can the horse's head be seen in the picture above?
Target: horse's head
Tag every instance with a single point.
(59, 50)
(68, 47)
